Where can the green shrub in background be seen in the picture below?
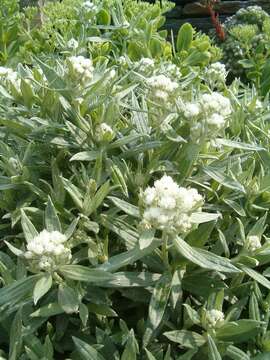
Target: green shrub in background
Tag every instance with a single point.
(246, 46)
(134, 192)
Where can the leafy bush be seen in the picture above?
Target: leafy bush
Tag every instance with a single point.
(246, 46)
(134, 193)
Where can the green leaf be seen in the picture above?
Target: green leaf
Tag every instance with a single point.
(48, 310)
(125, 206)
(85, 156)
(101, 309)
(187, 157)
(264, 356)
(42, 287)
(84, 313)
(239, 331)
(29, 230)
(131, 348)
(184, 37)
(74, 193)
(204, 258)
(238, 145)
(157, 306)
(186, 338)
(213, 353)
(86, 351)
(130, 279)
(90, 207)
(14, 250)
(256, 276)
(51, 219)
(236, 354)
(68, 299)
(15, 341)
(146, 238)
(83, 273)
(18, 290)
(203, 217)
(223, 179)
(70, 230)
(129, 257)
(149, 355)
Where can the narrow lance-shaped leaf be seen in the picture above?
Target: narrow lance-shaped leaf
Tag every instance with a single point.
(204, 258)
(86, 351)
(68, 299)
(157, 306)
(42, 287)
(82, 273)
(15, 341)
(213, 353)
(52, 221)
(29, 230)
(186, 338)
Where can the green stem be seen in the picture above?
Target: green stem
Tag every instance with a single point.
(165, 256)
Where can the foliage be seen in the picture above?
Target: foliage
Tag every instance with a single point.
(246, 46)
(134, 192)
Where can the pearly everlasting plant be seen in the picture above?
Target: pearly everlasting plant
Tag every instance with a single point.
(47, 251)
(80, 69)
(216, 75)
(207, 116)
(162, 89)
(214, 318)
(169, 207)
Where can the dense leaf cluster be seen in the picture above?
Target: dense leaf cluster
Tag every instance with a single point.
(96, 107)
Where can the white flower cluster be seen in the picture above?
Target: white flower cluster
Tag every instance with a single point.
(145, 65)
(171, 70)
(162, 88)
(48, 250)
(214, 318)
(253, 243)
(10, 76)
(216, 74)
(104, 133)
(88, 6)
(169, 207)
(81, 69)
(216, 103)
(208, 114)
(72, 44)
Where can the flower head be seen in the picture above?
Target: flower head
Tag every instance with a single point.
(214, 318)
(168, 206)
(48, 250)
(162, 88)
(81, 69)
(104, 133)
(253, 243)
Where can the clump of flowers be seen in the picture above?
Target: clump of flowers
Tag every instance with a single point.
(161, 88)
(216, 74)
(214, 318)
(253, 243)
(171, 70)
(145, 65)
(48, 250)
(81, 69)
(104, 133)
(72, 44)
(208, 115)
(88, 6)
(10, 76)
(169, 207)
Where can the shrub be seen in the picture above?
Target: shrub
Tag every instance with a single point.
(134, 198)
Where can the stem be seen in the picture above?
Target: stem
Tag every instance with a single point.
(165, 256)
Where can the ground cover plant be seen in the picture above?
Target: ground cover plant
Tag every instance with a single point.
(134, 190)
